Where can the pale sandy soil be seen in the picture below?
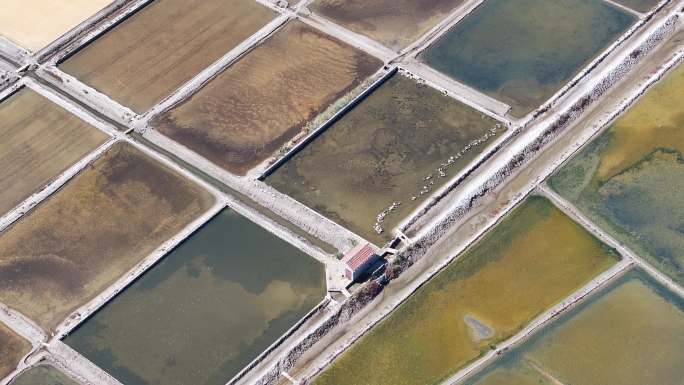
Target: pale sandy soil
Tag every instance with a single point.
(33, 24)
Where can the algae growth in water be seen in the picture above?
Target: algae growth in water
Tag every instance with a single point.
(206, 310)
(632, 333)
(521, 52)
(630, 180)
(399, 145)
(533, 259)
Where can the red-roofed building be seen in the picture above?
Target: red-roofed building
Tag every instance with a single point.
(358, 259)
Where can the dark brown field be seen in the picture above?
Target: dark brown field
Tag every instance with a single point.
(12, 349)
(100, 225)
(394, 23)
(40, 140)
(155, 51)
(259, 103)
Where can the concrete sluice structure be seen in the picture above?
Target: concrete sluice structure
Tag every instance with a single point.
(295, 344)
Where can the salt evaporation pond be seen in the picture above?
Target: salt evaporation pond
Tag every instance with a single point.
(630, 179)
(632, 333)
(206, 310)
(530, 261)
(388, 154)
(521, 52)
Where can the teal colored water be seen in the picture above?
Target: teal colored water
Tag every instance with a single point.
(521, 52)
(206, 310)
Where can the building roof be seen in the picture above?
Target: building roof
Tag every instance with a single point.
(358, 256)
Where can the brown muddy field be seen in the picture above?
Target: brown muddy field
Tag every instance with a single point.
(394, 23)
(40, 140)
(164, 45)
(12, 349)
(250, 110)
(97, 227)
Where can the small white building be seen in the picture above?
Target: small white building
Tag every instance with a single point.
(358, 260)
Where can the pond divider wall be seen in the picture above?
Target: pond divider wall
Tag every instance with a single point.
(308, 316)
(323, 127)
(405, 259)
(406, 225)
(558, 126)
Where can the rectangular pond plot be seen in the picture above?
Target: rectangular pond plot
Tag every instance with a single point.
(632, 333)
(43, 375)
(532, 260)
(630, 179)
(162, 46)
(394, 23)
(40, 140)
(397, 146)
(33, 24)
(249, 111)
(206, 310)
(522, 52)
(12, 349)
(94, 229)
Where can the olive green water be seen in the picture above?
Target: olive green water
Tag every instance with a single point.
(43, 375)
(630, 179)
(632, 333)
(530, 261)
(206, 310)
(521, 52)
(400, 144)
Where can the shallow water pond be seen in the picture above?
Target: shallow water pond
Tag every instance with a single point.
(206, 310)
(399, 145)
(632, 333)
(630, 179)
(533, 259)
(521, 52)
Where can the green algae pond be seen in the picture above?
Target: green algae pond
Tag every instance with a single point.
(206, 310)
(521, 52)
(529, 262)
(632, 333)
(399, 144)
(630, 179)
(43, 375)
